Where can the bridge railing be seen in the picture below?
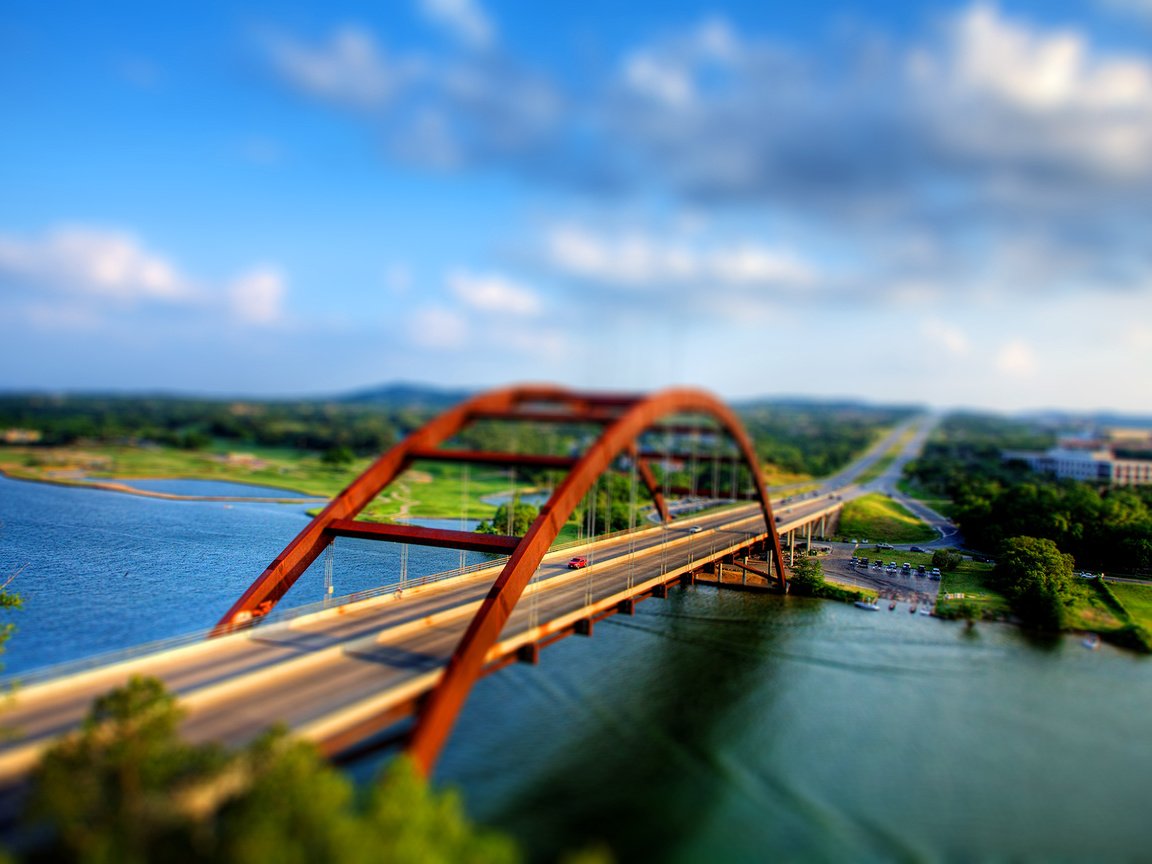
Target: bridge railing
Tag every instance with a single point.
(280, 615)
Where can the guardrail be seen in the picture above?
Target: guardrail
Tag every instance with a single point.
(278, 616)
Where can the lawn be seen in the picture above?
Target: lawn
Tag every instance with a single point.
(1137, 600)
(1092, 611)
(880, 519)
(971, 580)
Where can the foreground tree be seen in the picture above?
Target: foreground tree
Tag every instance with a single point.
(126, 789)
(1037, 579)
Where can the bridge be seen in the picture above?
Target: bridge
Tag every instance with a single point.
(399, 664)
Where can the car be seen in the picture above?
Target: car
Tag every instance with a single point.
(695, 529)
(915, 549)
(577, 563)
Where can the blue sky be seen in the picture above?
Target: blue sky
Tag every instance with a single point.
(946, 203)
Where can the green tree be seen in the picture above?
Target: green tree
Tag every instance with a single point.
(512, 518)
(1037, 579)
(946, 559)
(807, 575)
(126, 788)
(338, 457)
(109, 792)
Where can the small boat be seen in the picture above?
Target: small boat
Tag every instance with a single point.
(1091, 641)
(892, 606)
(864, 604)
(925, 610)
(912, 610)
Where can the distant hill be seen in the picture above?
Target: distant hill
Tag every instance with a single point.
(406, 395)
(1059, 418)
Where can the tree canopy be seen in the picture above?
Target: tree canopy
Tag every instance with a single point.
(126, 789)
(1037, 579)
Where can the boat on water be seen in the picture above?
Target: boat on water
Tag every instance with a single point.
(864, 604)
(912, 610)
(892, 606)
(1091, 641)
(925, 610)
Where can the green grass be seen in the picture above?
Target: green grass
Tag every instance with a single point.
(1137, 601)
(972, 580)
(1091, 610)
(943, 506)
(881, 519)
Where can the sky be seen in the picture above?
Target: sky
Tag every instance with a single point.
(943, 203)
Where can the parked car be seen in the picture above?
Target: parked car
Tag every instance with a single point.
(577, 563)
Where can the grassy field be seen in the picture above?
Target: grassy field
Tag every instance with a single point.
(943, 506)
(428, 490)
(1092, 611)
(1137, 601)
(880, 519)
(881, 464)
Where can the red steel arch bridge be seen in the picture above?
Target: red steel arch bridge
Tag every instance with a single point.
(345, 674)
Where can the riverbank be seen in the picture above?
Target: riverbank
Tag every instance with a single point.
(435, 492)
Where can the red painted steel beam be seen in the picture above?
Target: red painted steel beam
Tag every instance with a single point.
(283, 572)
(467, 662)
(500, 544)
(485, 457)
(645, 471)
(557, 417)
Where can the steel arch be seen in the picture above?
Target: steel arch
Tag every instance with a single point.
(439, 713)
(624, 419)
(290, 564)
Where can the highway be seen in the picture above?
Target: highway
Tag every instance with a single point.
(332, 674)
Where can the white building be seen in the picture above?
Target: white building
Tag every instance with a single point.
(1123, 459)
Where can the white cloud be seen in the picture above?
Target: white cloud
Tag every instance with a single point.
(350, 68)
(640, 261)
(493, 293)
(946, 336)
(1016, 359)
(666, 82)
(463, 19)
(1001, 88)
(438, 327)
(94, 262)
(257, 297)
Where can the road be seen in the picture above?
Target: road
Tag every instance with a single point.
(328, 673)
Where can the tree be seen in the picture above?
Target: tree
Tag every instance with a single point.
(1037, 578)
(109, 791)
(946, 559)
(807, 575)
(511, 518)
(126, 788)
(338, 457)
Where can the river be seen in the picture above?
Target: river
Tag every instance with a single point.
(711, 726)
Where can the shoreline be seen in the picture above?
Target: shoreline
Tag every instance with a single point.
(114, 486)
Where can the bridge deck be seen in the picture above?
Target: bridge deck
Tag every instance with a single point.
(335, 675)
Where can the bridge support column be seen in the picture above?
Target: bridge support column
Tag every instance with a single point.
(627, 607)
(808, 537)
(824, 527)
(529, 653)
(792, 548)
(583, 627)
(690, 578)
(660, 592)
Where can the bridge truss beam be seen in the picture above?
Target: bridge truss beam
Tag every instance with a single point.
(623, 420)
